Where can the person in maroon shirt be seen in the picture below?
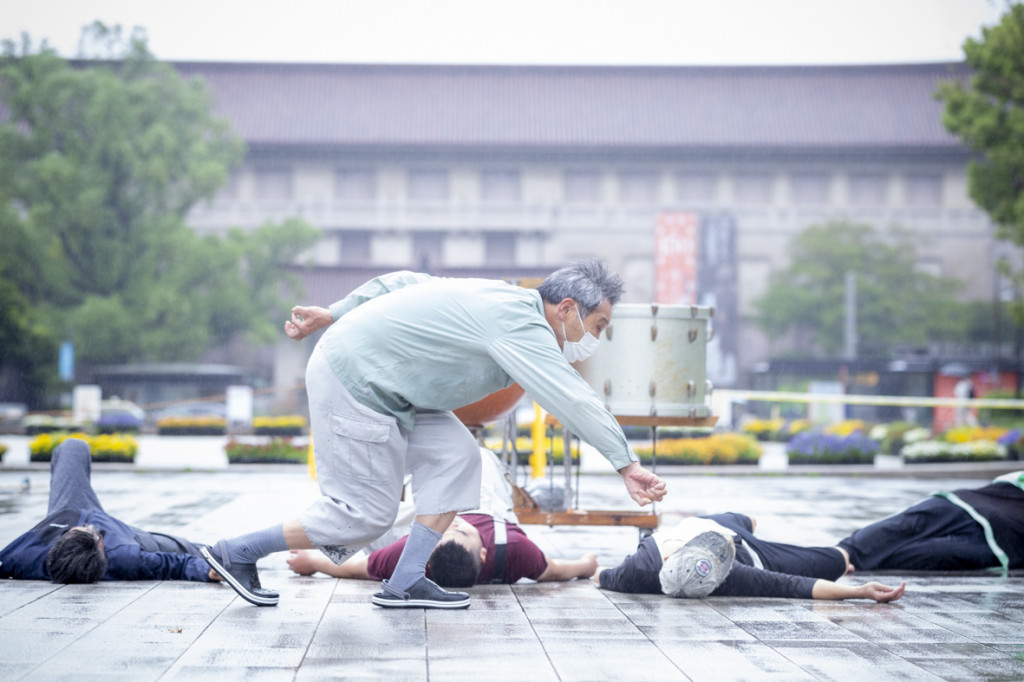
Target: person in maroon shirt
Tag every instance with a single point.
(467, 553)
(474, 534)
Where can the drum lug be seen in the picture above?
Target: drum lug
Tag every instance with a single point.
(691, 388)
(654, 332)
(708, 388)
(693, 335)
(654, 310)
(693, 311)
(711, 334)
(608, 387)
(608, 333)
(653, 388)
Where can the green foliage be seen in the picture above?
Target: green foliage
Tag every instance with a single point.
(100, 163)
(988, 115)
(896, 302)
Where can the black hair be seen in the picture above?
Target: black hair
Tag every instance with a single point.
(452, 565)
(76, 557)
(588, 282)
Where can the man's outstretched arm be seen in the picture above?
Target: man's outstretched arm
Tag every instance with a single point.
(310, 561)
(568, 569)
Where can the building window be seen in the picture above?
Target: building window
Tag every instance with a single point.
(809, 188)
(428, 185)
(638, 187)
(582, 187)
(924, 189)
(695, 187)
(355, 184)
(500, 248)
(499, 186)
(753, 188)
(355, 247)
(273, 184)
(428, 250)
(867, 189)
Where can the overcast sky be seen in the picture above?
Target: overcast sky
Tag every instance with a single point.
(524, 31)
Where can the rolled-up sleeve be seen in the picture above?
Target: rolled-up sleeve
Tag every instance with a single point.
(378, 286)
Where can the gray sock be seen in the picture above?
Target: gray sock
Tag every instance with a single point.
(246, 549)
(412, 564)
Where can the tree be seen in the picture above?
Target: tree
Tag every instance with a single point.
(896, 302)
(100, 163)
(988, 116)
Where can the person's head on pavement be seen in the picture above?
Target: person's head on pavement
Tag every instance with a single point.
(77, 556)
(459, 555)
(697, 568)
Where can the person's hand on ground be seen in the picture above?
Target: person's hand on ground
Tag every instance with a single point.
(301, 561)
(882, 593)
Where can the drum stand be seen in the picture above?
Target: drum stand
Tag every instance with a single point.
(646, 522)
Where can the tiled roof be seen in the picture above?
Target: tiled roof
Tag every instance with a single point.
(567, 107)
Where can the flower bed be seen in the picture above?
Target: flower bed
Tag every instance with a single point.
(115, 447)
(191, 426)
(291, 425)
(777, 430)
(45, 423)
(275, 451)
(941, 451)
(816, 447)
(721, 448)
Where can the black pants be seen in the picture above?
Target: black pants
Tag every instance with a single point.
(933, 535)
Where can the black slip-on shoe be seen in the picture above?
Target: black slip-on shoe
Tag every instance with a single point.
(242, 578)
(424, 594)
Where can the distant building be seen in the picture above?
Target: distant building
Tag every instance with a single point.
(513, 171)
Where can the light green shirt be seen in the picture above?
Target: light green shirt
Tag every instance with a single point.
(405, 341)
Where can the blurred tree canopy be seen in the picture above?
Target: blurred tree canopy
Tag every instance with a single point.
(896, 302)
(100, 163)
(988, 116)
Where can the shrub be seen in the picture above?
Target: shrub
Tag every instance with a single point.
(892, 437)
(942, 451)
(276, 451)
(763, 429)
(815, 447)
(1013, 441)
(847, 427)
(967, 434)
(724, 448)
(104, 447)
(3, 449)
(44, 423)
(191, 426)
(118, 422)
(291, 425)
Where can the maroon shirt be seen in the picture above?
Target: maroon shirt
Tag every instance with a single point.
(523, 559)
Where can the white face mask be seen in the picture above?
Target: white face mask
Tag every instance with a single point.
(576, 351)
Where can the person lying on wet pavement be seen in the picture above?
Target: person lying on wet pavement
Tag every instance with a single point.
(78, 542)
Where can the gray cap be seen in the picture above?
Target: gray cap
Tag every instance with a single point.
(698, 567)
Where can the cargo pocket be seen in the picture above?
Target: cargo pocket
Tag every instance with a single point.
(358, 444)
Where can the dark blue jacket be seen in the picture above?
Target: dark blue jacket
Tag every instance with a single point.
(25, 557)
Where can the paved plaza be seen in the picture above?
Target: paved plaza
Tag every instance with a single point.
(947, 627)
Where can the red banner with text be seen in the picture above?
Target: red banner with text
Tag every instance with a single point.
(675, 260)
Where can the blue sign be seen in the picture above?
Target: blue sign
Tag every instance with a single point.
(66, 362)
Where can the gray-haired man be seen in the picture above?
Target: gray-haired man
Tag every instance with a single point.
(400, 353)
